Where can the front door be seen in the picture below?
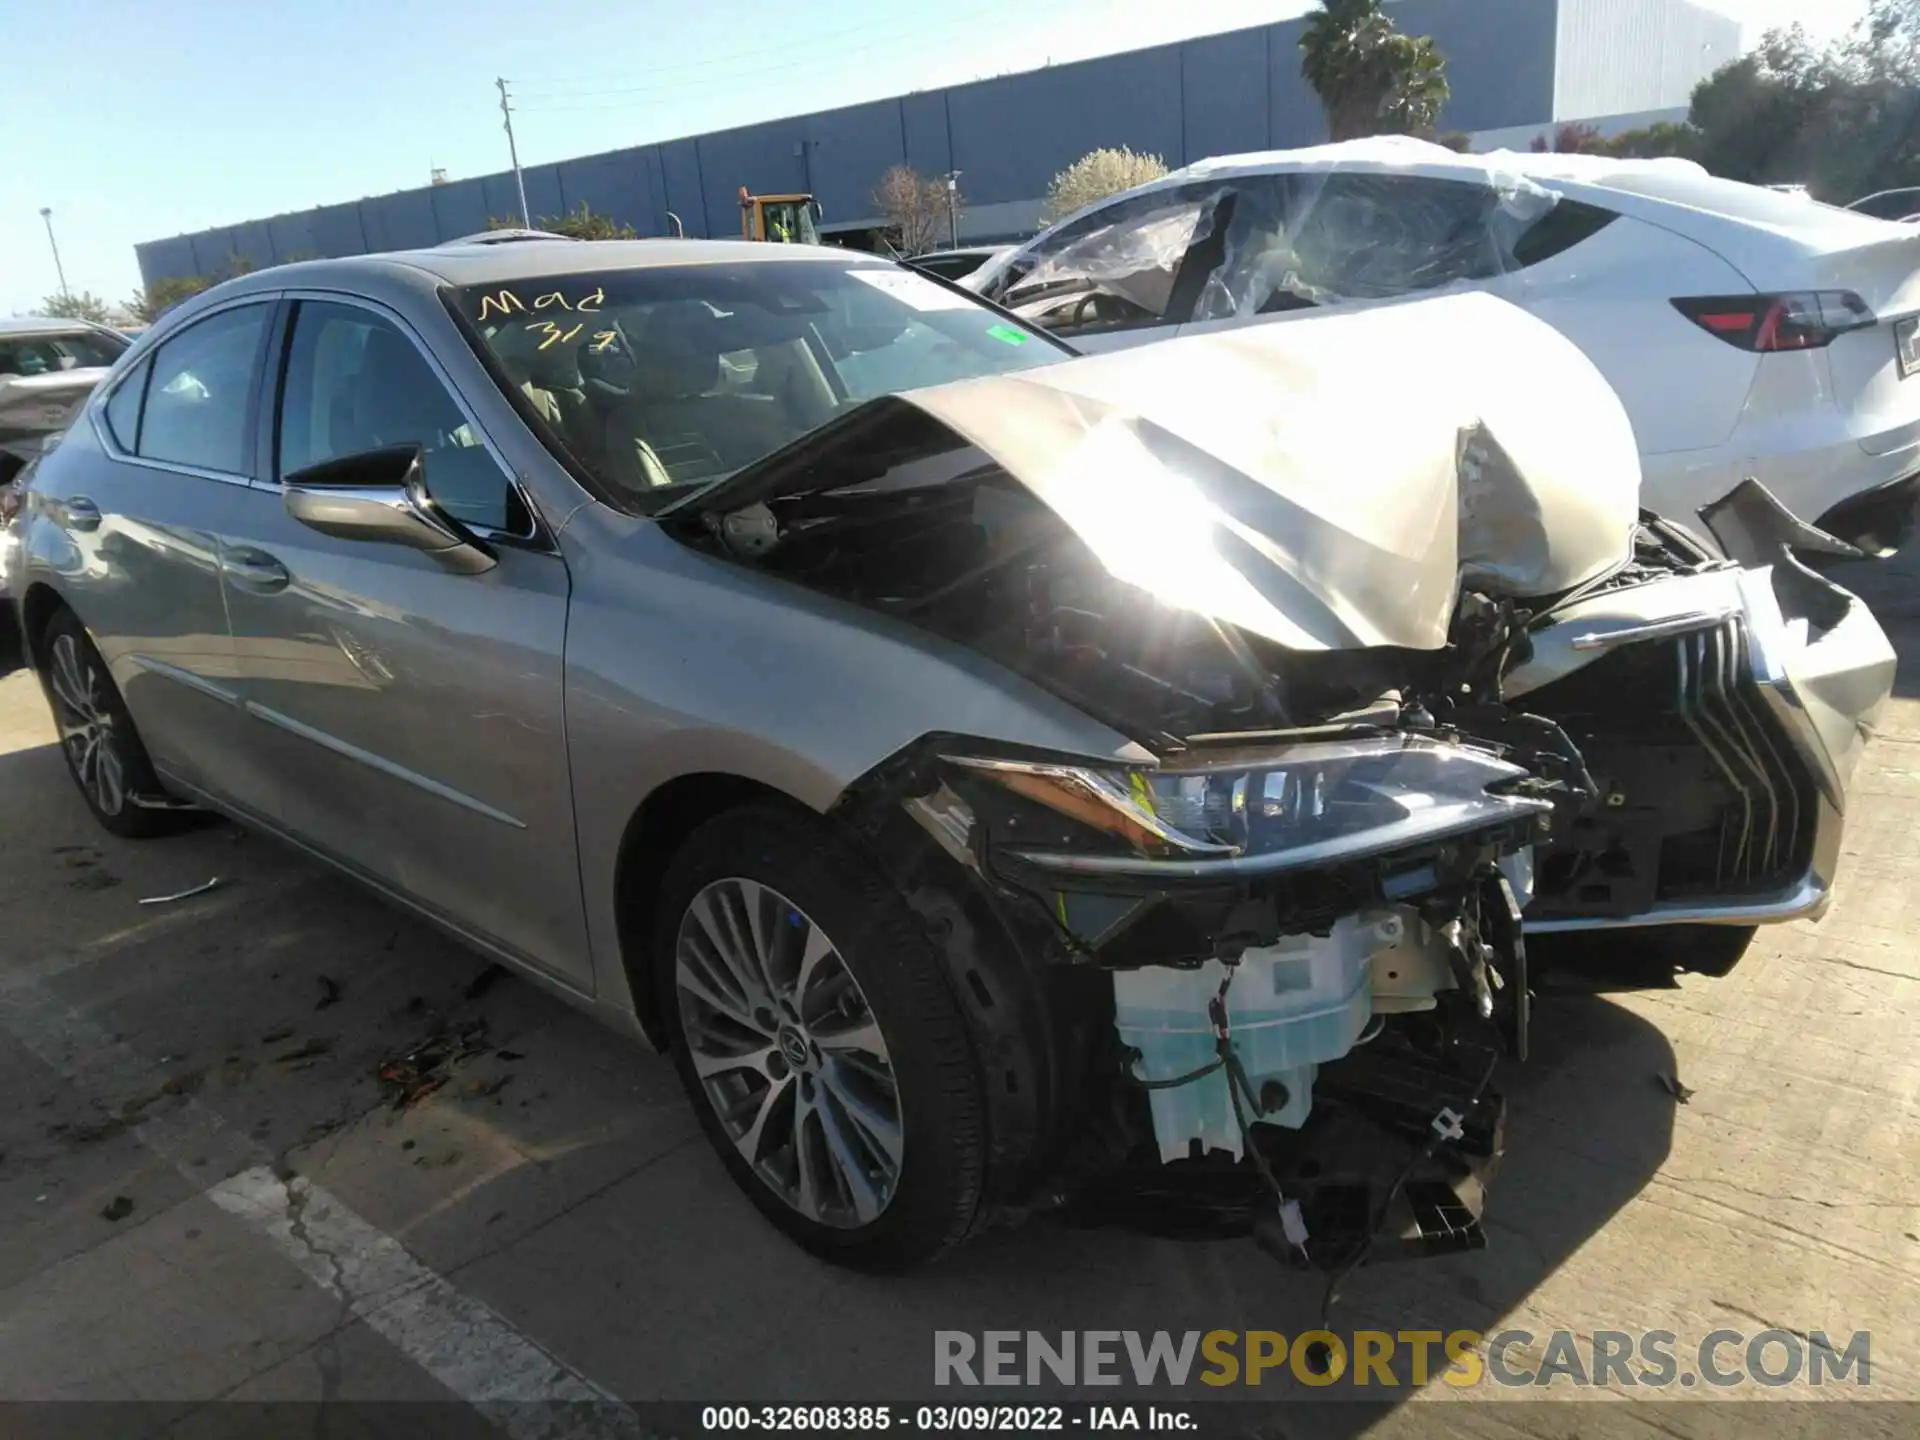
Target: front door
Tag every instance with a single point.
(409, 717)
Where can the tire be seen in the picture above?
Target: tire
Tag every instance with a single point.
(1647, 955)
(101, 746)
(12, 651)
(866, 1175)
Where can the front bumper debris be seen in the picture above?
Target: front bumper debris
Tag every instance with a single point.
(1394, 1164)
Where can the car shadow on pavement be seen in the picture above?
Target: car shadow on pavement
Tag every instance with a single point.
(1891, 590)
(552, 1168)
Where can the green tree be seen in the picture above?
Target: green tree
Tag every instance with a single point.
(1371, 79)
(1844, 120)
(579, 223)
(1655, 142)
(1095, 176)
(1573, 138)
(149, 304)
(75, 305)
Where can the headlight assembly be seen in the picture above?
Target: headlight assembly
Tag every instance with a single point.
(1315, 803)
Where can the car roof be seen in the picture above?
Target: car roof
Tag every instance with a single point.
(489, 262)
(1678, 194)
(44, 325)
(1424, 157)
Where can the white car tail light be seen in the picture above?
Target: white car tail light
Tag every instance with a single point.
(1799, 320)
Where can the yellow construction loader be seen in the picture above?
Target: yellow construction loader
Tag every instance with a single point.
(782, 219)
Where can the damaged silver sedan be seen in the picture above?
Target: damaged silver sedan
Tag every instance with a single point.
(1002, 780)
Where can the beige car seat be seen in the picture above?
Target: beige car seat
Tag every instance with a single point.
(678, 418)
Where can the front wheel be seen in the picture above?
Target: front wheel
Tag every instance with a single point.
(97, 736)
(813, 1029)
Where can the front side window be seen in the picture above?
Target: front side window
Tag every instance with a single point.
(50, 354)
(1115, 268)
(355, 383)
(197, 395)
(665, 376)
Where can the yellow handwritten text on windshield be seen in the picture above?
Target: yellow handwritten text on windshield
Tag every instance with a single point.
(506, 302)
(554, 335)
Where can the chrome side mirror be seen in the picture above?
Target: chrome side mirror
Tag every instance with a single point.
(381, 496)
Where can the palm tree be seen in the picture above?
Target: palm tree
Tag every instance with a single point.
(1418, 90)
(1371, 79)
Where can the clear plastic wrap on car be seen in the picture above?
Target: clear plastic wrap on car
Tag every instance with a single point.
(1306, 238)
(1135, 257)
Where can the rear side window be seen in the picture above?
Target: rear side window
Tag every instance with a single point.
(1307, 238)
(123, 408)
(199, 391)
(52, 354)
(1566, 225)
(1314, 238)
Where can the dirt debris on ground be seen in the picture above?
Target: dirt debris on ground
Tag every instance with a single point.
(427, 1065)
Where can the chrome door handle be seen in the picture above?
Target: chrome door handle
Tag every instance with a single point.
(257, 570)
(79, 513)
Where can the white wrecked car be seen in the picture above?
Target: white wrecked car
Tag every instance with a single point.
(1751, 334)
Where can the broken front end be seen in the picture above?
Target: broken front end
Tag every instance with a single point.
(1284, 972)
(1259, 971)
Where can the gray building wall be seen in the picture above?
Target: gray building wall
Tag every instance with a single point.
(1507, 61)
(1622, 56)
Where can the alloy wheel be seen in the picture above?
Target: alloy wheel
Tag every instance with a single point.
(87, 728)
(788, 1053)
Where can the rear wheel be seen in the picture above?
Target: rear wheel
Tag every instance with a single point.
(1644, 955)
(814, 1032)
(97, 735)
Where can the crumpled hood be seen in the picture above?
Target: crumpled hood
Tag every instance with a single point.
(43, 404)
(1327, 481)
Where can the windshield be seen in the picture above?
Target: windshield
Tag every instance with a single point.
(50, 354)
(663, 377)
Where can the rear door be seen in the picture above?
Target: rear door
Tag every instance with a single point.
(408, 717)
(137, 510)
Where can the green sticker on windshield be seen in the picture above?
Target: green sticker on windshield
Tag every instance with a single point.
(1007, 334)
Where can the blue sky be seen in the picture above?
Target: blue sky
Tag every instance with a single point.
(136, 120)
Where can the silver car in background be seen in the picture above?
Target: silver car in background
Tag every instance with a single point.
(48, 367)
(1000, 778)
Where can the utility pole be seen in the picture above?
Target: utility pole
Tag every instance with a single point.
(513, 150)
(46, 214)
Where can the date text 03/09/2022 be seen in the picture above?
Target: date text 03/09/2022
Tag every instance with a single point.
(944, 1419)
